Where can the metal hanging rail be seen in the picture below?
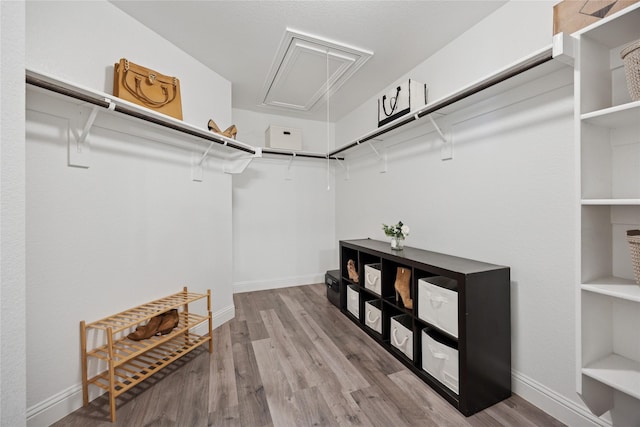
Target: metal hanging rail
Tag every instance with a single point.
(493, 80)
(295, 153)
(102, 102)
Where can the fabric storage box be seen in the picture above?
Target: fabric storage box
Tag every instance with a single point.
(402, 334)
(400, 100)
(373, 315)
(283, 137)
(438, 303)
(372, 278)
(353, 300)
(440, 359)
(332, 280)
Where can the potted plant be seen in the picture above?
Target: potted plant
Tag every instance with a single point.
(398, 233)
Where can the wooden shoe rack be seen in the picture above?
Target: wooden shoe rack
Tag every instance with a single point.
(131, 362)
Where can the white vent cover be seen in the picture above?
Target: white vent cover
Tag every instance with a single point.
(298, 76)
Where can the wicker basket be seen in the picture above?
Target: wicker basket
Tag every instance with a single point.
(631, 57)
(633, 237)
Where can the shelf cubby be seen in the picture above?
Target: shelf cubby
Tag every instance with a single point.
(611, 344)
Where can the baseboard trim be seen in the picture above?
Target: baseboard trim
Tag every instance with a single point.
(61, 404)
(567, 411)
(263, 285)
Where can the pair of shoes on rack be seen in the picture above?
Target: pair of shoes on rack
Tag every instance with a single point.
(353, 273)
(229, 132)
(403, 278)
(161, 324)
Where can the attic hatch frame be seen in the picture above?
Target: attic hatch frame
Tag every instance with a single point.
(294, 60)
(560, 50)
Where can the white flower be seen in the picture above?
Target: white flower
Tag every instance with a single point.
(405, 230)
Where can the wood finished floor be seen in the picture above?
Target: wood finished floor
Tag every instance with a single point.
(290, 358)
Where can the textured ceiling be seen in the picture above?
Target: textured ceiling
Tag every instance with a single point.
(240, 39)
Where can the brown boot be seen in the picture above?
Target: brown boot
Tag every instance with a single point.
(403, 280)
(353, 273)
(169, 321)
(146, 331)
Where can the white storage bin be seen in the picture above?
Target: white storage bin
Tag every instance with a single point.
(283, 137)
(402, 334)
(438, 303)
(372, 278)
(440, 361)
(373, 315)
(353, 301)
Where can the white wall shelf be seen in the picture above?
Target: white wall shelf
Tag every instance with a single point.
(619, 115)
(611, 202)
(618, 372)
(525, 70)
(614, 287)
(201, 140)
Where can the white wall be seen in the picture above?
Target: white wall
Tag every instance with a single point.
(507, 197)
(12, 219)
(283, 215)
(133, 226)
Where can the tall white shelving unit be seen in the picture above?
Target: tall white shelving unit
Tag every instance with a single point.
(608, 299)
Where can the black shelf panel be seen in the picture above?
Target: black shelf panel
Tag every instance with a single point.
(484, 333)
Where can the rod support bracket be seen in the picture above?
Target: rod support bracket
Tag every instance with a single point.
(78, 143)
(382, 157)
(344, 166)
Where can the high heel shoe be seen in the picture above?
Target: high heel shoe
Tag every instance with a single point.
(353, 273)
(403, 278)
(229, 132)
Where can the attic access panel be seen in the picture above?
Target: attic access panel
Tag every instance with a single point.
(306, 67)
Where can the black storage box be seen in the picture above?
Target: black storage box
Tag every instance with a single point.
(332, 280)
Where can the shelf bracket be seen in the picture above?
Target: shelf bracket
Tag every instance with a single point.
(197, 171)
(78, 145)
(382, 157)
(345, 167)
(437, 128)
(446, 151)
(287, 175)
(196, 165)
(238, 165)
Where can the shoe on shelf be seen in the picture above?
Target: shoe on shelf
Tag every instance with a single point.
(353, 273)
(402, 286)
(229, 132)
(146, 331)
(169, 321)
